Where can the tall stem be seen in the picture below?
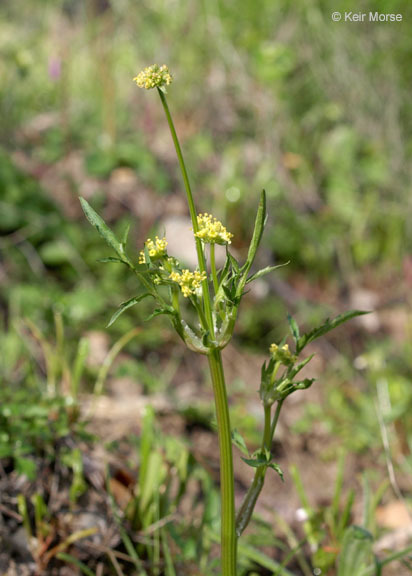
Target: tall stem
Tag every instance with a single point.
(227, 489)
(193, 214)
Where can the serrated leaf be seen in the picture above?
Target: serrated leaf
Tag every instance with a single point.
(264, 271)
(239, 441)
(125, 306)
(277, 469)
(103, 229)
(294, 328)
(326, 327)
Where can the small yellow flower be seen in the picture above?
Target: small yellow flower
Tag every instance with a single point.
(188, 281)
(156, 249)
(211, 231)
(153, 77)
(282, 354)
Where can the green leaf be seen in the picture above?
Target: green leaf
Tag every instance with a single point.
(159, 311)
(256, 462)
(226, 268)
(356, 553)
(260, 222)
(125, 305)
(111, 259)
(233, 262)
(326, 327)
(264, 271)
(277, 469)
(230, 296)
(304, 384)
(239, 441)
(102, 228)
(261, 457)
(298, 367)
(125, 236)
(294, 328)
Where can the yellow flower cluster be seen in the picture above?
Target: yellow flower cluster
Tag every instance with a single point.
(211, 231)
(156, 249)
(282, 354)
(188, 281)
(153, 77)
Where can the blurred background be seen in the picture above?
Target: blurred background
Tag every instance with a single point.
(274, 96)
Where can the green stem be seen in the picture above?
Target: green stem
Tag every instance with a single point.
(200, 312)
(228, 531)
(275, 419)
(193, 214)
(213, 268)
(274, 373)
(267, 436)
(227, 489)
(246, 510)
(175, 299)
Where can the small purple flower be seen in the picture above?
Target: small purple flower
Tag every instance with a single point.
(55, 68)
